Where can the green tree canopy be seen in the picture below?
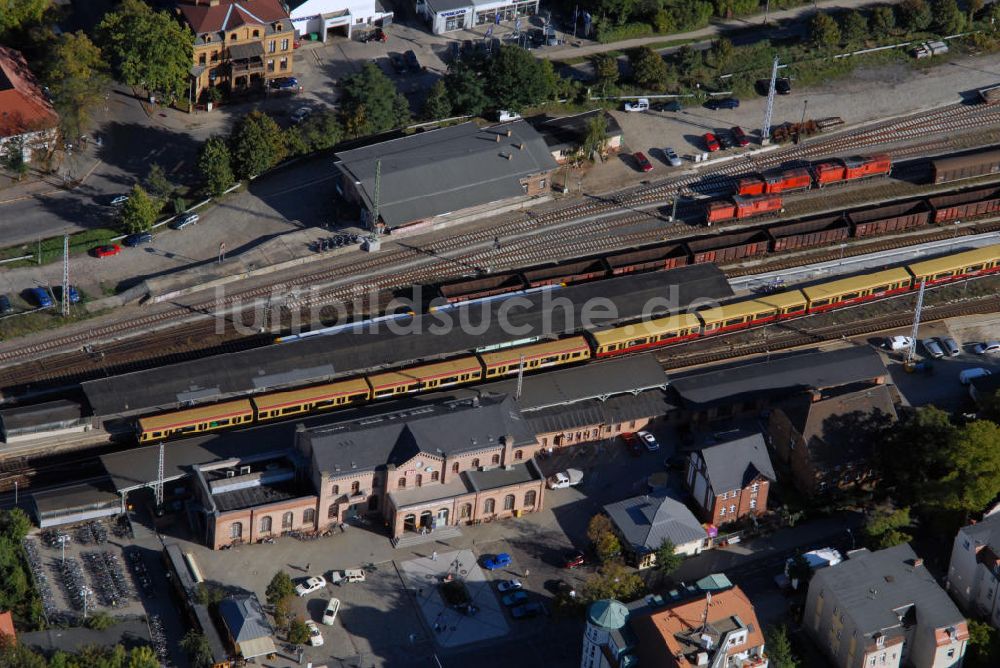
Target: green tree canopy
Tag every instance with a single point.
(824, 32)
(612, 580)
(438, 104)
(100, 621)
(723, 52)
(649, 70)
(779, 648)
(973, 7)
(886, 527)
(370, 102)
(605, 70)
(515, 79)
(667, 558)
(883, 21)
(256, 145)
(602, 538)
(946, 17)
(143, 656)
(215, 164)
(465, 88)
(854, 27)
(298, 632)
(139, 213)
(21, 14)
(596, 139)
(984, 646)
(280, 587)
(157, 182)
(974, 479)
(800, 572)
(913, 15)
(914, 453)
(13, 157)
(148, 49)
(76, 75)
(198, 651)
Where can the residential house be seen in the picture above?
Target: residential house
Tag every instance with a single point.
(250, 634)
(974, 571)
(828, 441)
(644, 522)
(25, 112)
(566, 135)
(884, 609)
(730, 481)
(337, 17)
(240, 45)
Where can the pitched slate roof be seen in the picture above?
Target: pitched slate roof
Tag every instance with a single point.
(247, 624)
(734, 464)
(229, 14)
(645, 521)
(23, 107)
(436, 172)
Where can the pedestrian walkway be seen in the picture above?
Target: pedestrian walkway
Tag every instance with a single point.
(416, 538)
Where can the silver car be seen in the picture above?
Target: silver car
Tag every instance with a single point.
(950, 346)
(671, 157)
(932, 348)
(987, 347)
(186, 221)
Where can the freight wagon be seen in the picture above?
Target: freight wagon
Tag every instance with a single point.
(648, 259)
(890, 218)
(728, 247)
(965, 205)
(969, 166)
(809, 233)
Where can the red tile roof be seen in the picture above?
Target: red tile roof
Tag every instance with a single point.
(229, 14)
(23, 107)
(7, 625)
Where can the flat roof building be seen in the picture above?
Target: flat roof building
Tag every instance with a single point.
(451, 15)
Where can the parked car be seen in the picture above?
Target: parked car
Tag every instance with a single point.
(505, 116)
(377, 35)
(642, 161)
(41, 297)
(134, 240)
(564, 479)
(951, 346)
(711, 142)
(739, 136)
(315, 637)
(668, 106)
(642, 104)
(987, 347)
(969, 375)
(898, 342)
(411, 61)
(649, 441)
(515, 598)
(932, 348)
(285, 83)
(508, 585)
(311, 584)
(300, 114)
(74, 295)
(725, 141)
(497, 561)
(349, 575)
(186, 221)
(528, 610)
(672, 159)
(783, 86)
(118, 200)
(632, 443)
(722, 103)
(330, 614)
(574, 560)
(398, 62)
(108, 250)
(5, 305)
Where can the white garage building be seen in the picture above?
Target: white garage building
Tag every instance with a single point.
(450, 15)
(341, 17)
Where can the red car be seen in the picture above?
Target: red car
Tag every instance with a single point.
(107, 251)
(632, 443)
(711, 142)
(643, 162)
(739, 136)
(574, 560)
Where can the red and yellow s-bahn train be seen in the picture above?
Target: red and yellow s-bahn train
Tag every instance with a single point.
(611, 342)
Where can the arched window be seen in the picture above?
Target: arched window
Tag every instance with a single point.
(489, 507)
(496, 459)
(475, 463)
(466, 511)
(331, 512)
(529, 498)
(355, 487)
(309, 516)
(454, 467)
(508, 502)
(265, 524)
(237, 530)
(286, 520)
(402, 483)
(518, 455)
(434, 476)
(419, 480)
(336, 490)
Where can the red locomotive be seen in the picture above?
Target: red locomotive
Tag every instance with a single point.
(822, 174)
(740, 208)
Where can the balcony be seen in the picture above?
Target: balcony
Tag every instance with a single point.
(249, 66)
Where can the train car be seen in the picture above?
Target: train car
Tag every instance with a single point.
(854, 168)
(889, 218)
(788, 304)
(508, 362)
(809, 233)
(657, 258)
(773, 182)
(276, 405)
(487, 286)
(965, 205)
(566, 273)
(969, 166)
(955, 267)
(729, 247)
(195, 420)
(729, 317)
(741, 208)
(856, 289)
(645, 335)
(430, 376)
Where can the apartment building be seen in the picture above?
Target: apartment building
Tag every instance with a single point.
(730, 481)
(974, 571)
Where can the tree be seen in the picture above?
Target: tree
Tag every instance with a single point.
(974, 478)
(799, 572)
(883, 21)
(16, 655)
(139, 213)
(370, 102)
(437, 105)
(158, 184)
(854, 27)
(257, 144)
(779, 648)
(973, 7)
(298, 632)
(915, 452)
(984, 646)
(515, 79)
(913, 15)
(824, 32)
(198, 651)
(76, 75)
(14, 524)
(13, 157)
(21, 14)
(215, 164)
(613, 580)
(148, 49)
(465, 88)
(143, 656)
(722, 52)
(947, 18)
(648, 68)
(602, 536)
(280, 587)
(596, 139)
(605, 70)
(667, 559)
(885, 528)
(100, 621)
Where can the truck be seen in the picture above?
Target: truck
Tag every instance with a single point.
(564, 479)
(817, 559)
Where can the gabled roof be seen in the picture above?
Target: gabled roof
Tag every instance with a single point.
(985, 532)
(7, 625)
(247, 625)
(734, 464)
(23, 107)
(568, 132)
(230, 14)
(436, 172)
(645, 521)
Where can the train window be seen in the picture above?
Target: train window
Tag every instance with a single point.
(734, 321)
(975, 267)
(156, 434)
(289, 409)
(188, 428)
(847, 296)
(323, 404)
(765, 314)
(820, 302)
(382, 393)
(637, 342)
(548, 360)
(450, 379)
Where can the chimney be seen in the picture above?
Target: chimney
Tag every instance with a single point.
(508, 132)
(520, 147)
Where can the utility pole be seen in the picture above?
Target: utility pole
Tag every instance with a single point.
(520, 378)
(911, 351)
(158, 486)
(65, 285)
(765, 133)
(373, 242)
(673, 211)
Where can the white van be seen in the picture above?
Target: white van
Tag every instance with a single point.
(642, 104)
(968, 375)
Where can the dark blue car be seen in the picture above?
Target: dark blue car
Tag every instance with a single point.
(41, 297)
(723, 103)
